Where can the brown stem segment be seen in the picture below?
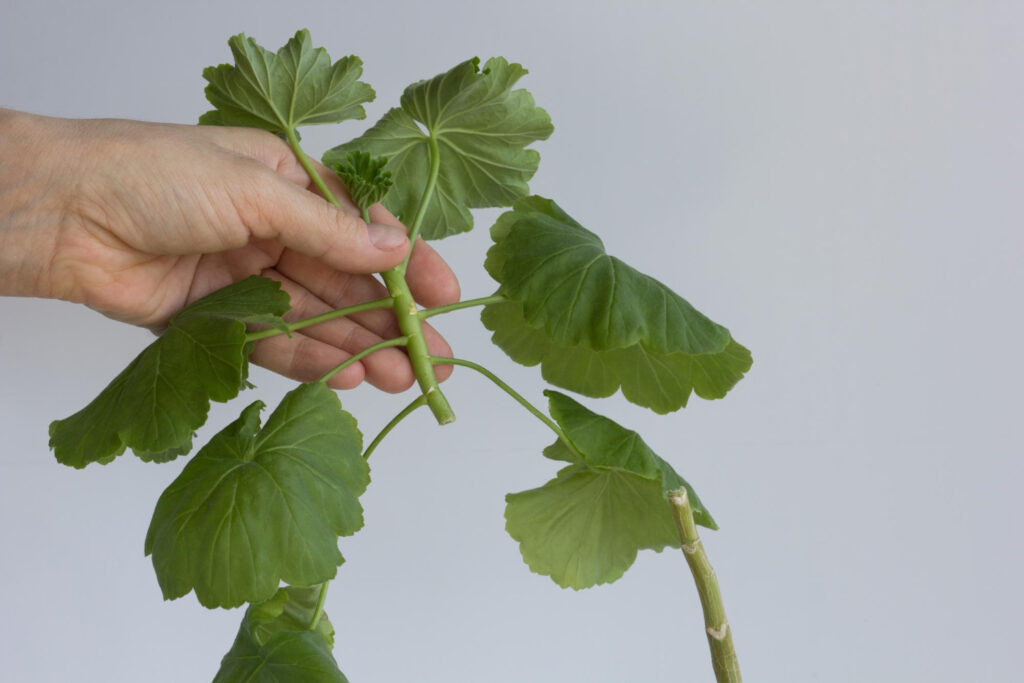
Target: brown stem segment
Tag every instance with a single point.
(723, 653)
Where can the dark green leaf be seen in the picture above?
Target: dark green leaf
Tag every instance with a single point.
(155, 404)
(279, 92)
(256, 507)
(274, 646)
(481, 127)
(585, 527)
(594, 323)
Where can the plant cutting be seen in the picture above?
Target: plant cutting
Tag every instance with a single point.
(256, 515)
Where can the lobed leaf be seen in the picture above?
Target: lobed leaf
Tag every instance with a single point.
(278, 92)
(255, 507)
(274, 644)
(155, 404)
(585, 526)
(481, 127)
(595, 324)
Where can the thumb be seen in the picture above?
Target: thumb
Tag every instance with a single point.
(278, 209)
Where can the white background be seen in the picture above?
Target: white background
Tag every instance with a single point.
(836, 182)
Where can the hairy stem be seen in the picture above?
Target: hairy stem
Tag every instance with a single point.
(397, 341)
(402, 301)
(417, 402)
(428, 195)
(386, 302)
(437, 360)
(293, 141)
(468, 303)
(716, 626)
(318, 612)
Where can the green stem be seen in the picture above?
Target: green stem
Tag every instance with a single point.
(386, 302)
(403, 303)
(468, 303)
(417, 402)
(293, 141)
(319, 611)
(428, 194)
(716, 626)
(397, 341)
(438, 360)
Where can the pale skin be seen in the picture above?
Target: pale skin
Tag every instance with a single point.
(137, 220)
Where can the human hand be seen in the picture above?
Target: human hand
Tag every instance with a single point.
(137, 220)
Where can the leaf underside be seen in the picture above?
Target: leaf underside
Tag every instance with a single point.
(595, 324)
(155, 404)
(274, 644)
(584, 527)
(298, 85)
(255, 507)
(482, 128)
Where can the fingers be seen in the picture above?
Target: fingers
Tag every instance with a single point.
(270, 193)
(430, 279)
(304, 357)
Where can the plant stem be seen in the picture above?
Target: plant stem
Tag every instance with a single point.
(723, 653)
(386, 302)
(402, 301)
(482, 301)
(417, 402)
(397, 341)
(438, 360)
(428, 194)
(293, 141)
(318, 612)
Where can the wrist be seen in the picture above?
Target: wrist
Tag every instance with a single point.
(30, 209)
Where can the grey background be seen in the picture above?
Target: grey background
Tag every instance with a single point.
(837, 182)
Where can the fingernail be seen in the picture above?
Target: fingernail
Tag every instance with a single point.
(386, 237)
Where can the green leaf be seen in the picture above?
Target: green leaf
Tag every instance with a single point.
(291, 609)
(279, 92)
(155, 404)
(274, 644)
(255, 507)
(594, 323)
(481, 127)
(585, 527)
(365, 178)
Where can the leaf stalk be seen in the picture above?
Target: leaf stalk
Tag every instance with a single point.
(468, 303)
(386, 302)
(397, 341)
(552, 425)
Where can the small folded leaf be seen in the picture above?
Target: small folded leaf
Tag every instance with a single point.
(585, 527)
(365, 178)
(155, 404)
(274, 644)
(594, 323)
(291, 609)
(279, 92)
(255, 507)
(477, 125)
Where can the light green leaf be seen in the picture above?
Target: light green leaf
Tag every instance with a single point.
(365, 178)
(274, 646)
(594, 323)
(256, 507)
(585, 527)
(155, 404)
(481, 128)
(291, 609)
(280, 92)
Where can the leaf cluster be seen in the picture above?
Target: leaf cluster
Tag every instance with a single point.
(264, 504)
